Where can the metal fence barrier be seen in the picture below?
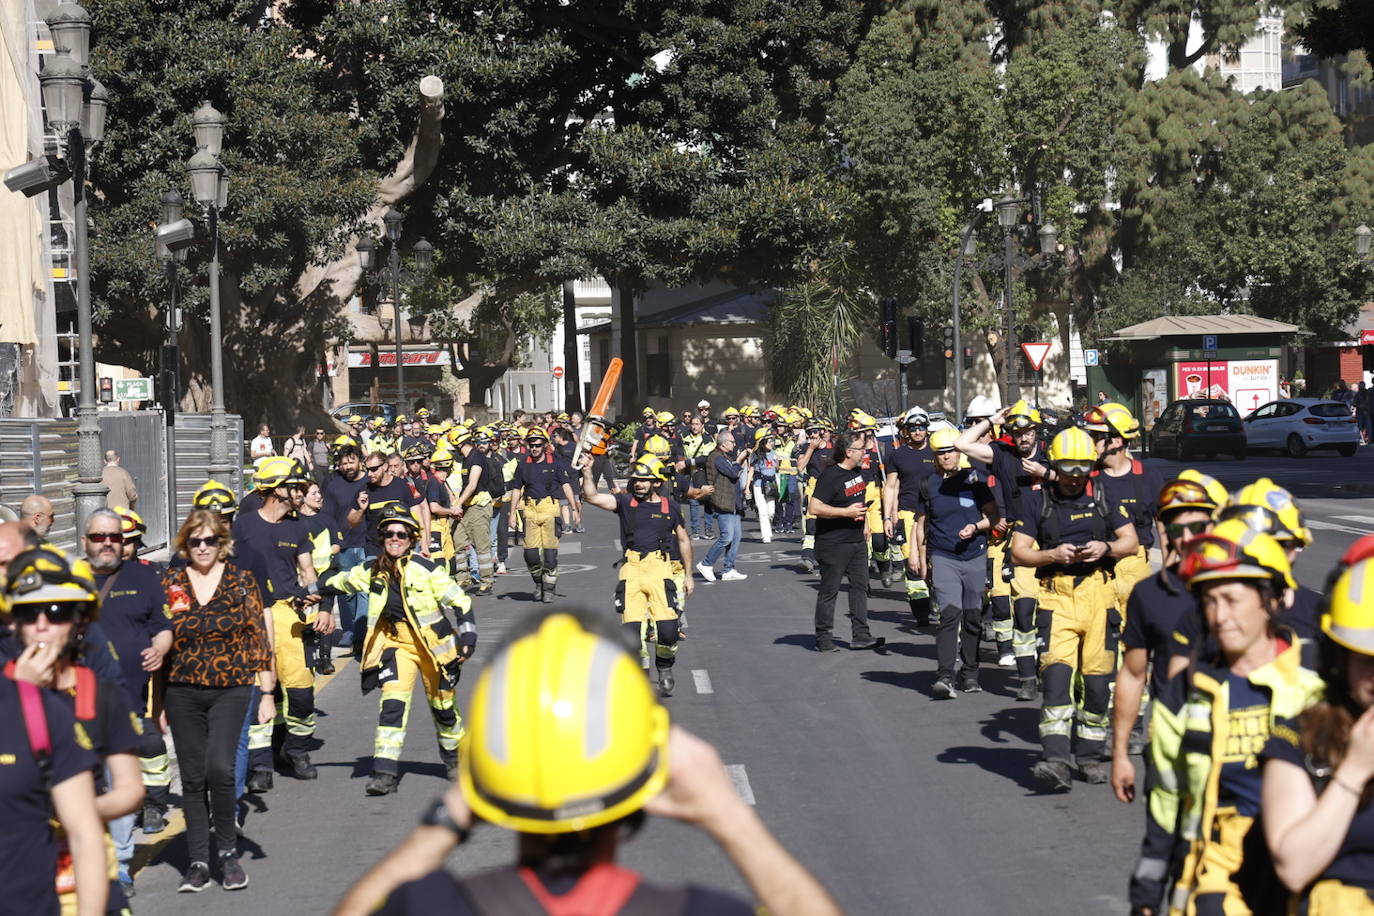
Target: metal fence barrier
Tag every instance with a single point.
(39, 456)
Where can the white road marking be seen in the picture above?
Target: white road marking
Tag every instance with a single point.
(1330, 526)
(702, 680)
(1362, 519)
(569, 547)
(741, 781)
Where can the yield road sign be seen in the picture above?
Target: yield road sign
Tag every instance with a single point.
(1091, 358)
(1036, 353)
(133, 389)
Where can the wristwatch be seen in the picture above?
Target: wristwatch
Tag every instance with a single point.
(436, 814)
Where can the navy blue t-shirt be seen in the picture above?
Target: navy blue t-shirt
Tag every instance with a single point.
(277, 545)
(1138, 494)
(396, 492)
(1247, 731)
(341, 498)
(912, 466)
(132, 613)
(1153, 612)
(28, 849)
(954, 502)
(1011, 483)
(542, 478)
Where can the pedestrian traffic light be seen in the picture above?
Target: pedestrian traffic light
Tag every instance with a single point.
(916, 336)
(889, 326)
(949, 341)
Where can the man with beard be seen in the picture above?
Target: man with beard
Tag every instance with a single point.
(134, 616)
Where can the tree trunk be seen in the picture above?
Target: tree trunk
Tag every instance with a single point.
(572, 350)
(629, 352)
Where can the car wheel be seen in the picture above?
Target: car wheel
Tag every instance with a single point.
(1296, 448)
(1346, 451)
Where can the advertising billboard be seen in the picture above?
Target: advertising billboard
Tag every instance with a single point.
(1246, 383)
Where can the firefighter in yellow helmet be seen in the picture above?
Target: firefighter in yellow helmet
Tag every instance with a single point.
(654, 537)
(540, 482)
(1072, 535)
(816, 455)
(409, 636)
(908, 464)
(1129, 483)
(216, 497)
(568, 746)
(292, 593)
(1317, 769)
(1209, 725)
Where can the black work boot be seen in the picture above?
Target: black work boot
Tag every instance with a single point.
(1029, 691)
(1054, 775)
(301, 767)
(381, 784)
(666, 681)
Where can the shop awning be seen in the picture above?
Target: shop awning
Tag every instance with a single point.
(1197, 325)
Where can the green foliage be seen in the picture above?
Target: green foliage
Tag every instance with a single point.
(812, 326)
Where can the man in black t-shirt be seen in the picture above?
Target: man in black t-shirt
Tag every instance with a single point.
(837, 502)
(384, 489)
(812, 459)
(908, 464)
(1071, 536)
(345, 506)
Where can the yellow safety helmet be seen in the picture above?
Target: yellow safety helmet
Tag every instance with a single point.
(657, 445)
(762, 434)
(1234, 550)
(942, 440)
(457, 436)
(416, 453)
(273, 472)
(665, 416)
(1122, 421)
(1073, 447)
(1270, 508)
(861, 422)
(564, 733)
(422, 413)
(216, 497)
(46, 575)
(1349, 617)
(441, 458)
(133, 525)
(1215, 489)
(536, 432)
(400, 418)
(1022, 415)
(1181, 493)
(434, 429)
(354, 420)
(730, 412)
(648, 413)
(341, 442)
(398, 513)
(376, 422)
(648, 467)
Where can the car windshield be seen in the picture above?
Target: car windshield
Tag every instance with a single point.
(1331, 409)
(1213, 412)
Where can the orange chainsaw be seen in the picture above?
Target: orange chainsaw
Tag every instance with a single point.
(597, 431)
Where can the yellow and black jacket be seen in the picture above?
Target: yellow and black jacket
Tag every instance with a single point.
(426, 592)
(1188, 738)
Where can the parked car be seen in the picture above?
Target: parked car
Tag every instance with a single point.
(1204, 427)
(363, 409)
(1300, 425)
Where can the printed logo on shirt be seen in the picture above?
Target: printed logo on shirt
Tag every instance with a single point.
(83, 739)
(1246, 734)
(8, 760)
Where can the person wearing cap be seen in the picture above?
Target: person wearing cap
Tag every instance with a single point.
(1267, 507)
(323, 536)
(647, 595)
(957, 512)
(134, 617)
(1072, 536)
(709, 426)
(1317, 768)
(409, 636)
(1186, 508)
(540, 482)
(63, 788)
(292, 595)
(47, 648)
(571, 809)
(1210, 724)
(908, 464)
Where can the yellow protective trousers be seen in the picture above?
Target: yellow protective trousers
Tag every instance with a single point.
(649, 593)
(403, 658)
(296, 681)
(1208, 885)
(1333, 898)
(1081, 612)
(539, 516)
(1129, 571)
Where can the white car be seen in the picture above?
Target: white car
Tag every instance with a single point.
(1300, 425)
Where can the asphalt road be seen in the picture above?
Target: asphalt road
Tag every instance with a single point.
(898, 802)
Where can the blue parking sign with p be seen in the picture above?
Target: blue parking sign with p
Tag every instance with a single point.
(1209, 341)
(1090, 358)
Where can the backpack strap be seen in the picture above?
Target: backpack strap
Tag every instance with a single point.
(36, 724)
(87, 691)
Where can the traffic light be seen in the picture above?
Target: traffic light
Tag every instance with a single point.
(949, 341)
(889, 327)
(916, 335)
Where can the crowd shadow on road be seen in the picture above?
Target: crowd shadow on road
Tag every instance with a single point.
(922, 682)
(1012, 763)
(362, 766)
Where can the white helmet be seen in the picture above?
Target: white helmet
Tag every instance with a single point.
(916, 416)
(981, 406)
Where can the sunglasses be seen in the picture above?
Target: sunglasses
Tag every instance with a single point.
(374, 468)
(102, 537)
(1209, 553)
(1074, 468)
(1176, 530)
(211, 541)
(396, 534)
(58, 612)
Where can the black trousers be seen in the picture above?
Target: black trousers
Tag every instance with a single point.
(206, 723)
(848, 559)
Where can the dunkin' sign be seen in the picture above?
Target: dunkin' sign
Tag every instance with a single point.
(1246, 383)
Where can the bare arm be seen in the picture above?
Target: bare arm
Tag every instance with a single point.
(126, 788)
(890, 502)
(1130, 686)
(73, 800)
(1025, 553)
(968, 439)
(1305, 830)
(684, 546)
(416, 856)
(591, 495)
(1125, 542)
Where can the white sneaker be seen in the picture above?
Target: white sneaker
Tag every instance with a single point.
(707, 572)
(732, 575)
(1006, 661)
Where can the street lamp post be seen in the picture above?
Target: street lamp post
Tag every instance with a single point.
(1008, 213)
(210, 186)
(71, 95)
(173, 208)
(367, 259)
